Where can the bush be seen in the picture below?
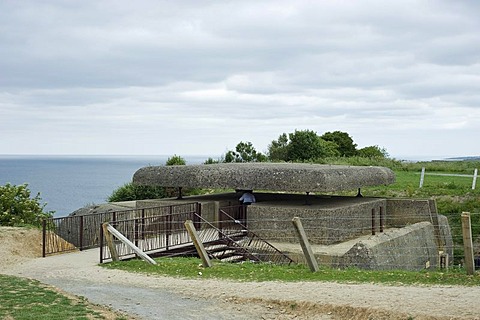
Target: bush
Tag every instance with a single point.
(129, 192)
(18, 208)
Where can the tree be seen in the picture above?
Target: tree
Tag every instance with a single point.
(345, 144)
(277, 150)
(305, 145)
(329, 148)
(244, 152)
(373, 152)
(17, 207)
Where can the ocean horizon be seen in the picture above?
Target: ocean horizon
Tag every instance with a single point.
(69, 182)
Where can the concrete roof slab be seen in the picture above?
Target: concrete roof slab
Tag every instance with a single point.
(294, 177)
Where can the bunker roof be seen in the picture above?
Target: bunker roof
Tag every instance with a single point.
(293, 177)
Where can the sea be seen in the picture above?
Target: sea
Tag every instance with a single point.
(68, 183)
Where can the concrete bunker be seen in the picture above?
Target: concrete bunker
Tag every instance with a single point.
(338, 227)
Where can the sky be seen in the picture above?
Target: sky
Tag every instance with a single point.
(197, 77)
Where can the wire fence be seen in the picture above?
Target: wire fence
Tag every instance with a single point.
(420, 243)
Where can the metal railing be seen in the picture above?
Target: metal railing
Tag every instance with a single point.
(250, 246)
(152, 233)
(166, 235)
(84, 231)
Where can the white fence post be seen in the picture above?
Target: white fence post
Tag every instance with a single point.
(422, 176)
(475, 173)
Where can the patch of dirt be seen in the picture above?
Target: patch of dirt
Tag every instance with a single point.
(18, 245)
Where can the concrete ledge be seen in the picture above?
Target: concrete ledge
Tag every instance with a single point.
(296, 177)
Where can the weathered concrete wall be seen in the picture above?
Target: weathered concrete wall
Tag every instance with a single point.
(402, 212)
(405, 212)
(324, 225)
(410, 248)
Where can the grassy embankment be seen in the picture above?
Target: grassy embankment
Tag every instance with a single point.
(453, 195)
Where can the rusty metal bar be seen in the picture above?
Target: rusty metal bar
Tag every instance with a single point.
(81, 233)
(143, 224)
(382, 220)
(373, 221)
(44, 237)
(101, 244)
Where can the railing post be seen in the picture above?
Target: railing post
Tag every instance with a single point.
(168, 228)
(381, 219)
(196, 218)
(81, 233)
(373, 221)
(44, 237)
(101, 243)
(244, 217)
(142, 236)
(135, 231)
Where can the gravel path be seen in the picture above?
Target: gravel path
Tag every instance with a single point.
(152, 297)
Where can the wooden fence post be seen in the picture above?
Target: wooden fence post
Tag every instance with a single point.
(110, 243)
(307, 249)
(127, 242)
(467, 243)
(198, 244)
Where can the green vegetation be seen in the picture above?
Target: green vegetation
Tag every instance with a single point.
(244, 152)
(130, 192)
(18, 208)
(175, 161)
(308, 146)
(303, 146)
(248, 271)
(29, 299)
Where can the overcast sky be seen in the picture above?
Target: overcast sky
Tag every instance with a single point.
(197, 77)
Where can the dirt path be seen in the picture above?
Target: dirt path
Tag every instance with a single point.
(152, 297)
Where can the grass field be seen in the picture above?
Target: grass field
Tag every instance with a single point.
(248, 271)
(23, 299)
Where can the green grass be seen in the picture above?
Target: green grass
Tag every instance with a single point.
(192, 268)
(29, 299)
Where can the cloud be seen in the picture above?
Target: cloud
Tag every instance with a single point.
(197, 77)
